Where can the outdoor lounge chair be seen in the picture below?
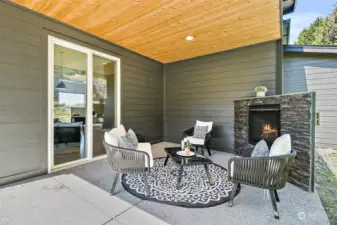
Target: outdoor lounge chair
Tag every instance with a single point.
(123, 160)
(269, 172)
(203, 143)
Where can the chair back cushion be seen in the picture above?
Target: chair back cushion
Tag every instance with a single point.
(208, 124)
(261, 149)
(120, 131)
(200, 132)
(111, 138)
(281, 146)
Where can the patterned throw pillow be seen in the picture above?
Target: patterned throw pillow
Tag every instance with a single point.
(200, 132)
(131, 135)
(125, 142)
(261, 149)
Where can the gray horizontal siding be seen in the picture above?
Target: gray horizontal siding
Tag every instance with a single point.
(204, 88)
(23, 88)
(309, 72)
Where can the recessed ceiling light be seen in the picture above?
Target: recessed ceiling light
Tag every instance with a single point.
(189, 38)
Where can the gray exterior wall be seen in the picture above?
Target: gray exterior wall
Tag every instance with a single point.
(316, 72)
(204, 89)
(23, 89)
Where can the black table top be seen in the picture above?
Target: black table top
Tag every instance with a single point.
(197, 159)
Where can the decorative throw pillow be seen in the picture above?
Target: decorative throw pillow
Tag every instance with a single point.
(125, 142)
(261, 149)
(281, 146)
(200, 132)
(132, 137)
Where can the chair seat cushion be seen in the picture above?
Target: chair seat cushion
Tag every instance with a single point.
(146, 147)
(195, 141)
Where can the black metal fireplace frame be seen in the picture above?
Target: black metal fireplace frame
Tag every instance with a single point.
(262, 108)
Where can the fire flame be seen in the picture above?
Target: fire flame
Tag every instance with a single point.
(267, 129)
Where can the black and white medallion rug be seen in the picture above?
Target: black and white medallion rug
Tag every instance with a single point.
(195, 191)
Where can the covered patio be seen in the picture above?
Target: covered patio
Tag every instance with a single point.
(172, 73)
(80, 195)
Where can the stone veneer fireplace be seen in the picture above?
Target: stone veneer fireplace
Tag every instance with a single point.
(271, 116)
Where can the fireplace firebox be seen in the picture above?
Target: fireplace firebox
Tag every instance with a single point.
(264, 123)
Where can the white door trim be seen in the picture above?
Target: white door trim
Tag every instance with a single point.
(89, 122)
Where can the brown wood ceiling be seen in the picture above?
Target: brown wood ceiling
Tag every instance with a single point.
(157, 28)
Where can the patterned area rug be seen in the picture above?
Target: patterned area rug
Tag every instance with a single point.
(195, 191)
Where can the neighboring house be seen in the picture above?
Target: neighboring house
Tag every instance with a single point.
(314, 68)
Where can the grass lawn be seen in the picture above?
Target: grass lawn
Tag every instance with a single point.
(326, 186)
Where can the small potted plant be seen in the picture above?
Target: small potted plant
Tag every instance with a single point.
(188, 146)
(261, 91)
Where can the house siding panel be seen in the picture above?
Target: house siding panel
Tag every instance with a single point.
(314, 72)
(204, 88)
(23, 89)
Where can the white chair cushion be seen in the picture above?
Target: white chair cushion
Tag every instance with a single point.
(146, 147)
(195, 141)
(120, 131)
(111, 138)
(281, 146)
(208, 124)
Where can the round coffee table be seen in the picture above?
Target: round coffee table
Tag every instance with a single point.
(182, 161)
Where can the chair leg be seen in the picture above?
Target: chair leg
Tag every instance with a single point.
(202, 151)
(276, 196)
(196, 149)
(231, 197)
(273, 201)
(112, 192)
(146, 185)
(209, 151)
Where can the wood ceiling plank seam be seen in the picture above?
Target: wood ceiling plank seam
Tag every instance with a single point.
(246, 31)
(190, 16)
(181, 13)
(202, 37)
(205, 26)
(155, 7)
(171, 56)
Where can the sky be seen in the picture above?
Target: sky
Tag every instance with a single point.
(305, 13)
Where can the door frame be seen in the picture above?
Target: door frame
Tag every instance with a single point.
(52, 41)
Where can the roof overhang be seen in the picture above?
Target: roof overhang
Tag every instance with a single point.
(158, 28)
(319, 49)
(288, 6)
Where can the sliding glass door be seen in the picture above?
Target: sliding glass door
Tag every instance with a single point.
(69, 105)
(84, 101)
(103, 100)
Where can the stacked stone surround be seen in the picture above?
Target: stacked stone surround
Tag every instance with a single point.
(297, 119)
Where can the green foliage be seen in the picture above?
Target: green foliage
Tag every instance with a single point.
(323, 31)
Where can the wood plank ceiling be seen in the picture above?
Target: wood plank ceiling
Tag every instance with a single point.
(158, 28)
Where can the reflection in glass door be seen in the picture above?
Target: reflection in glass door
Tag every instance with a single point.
(70, 105)
(103, 100)
(83, 102)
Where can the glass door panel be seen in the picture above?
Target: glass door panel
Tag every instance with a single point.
(103, 100)
(70, 105)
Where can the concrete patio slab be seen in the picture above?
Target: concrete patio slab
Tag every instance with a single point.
(46, 201)
(111, 205)
(136, 216)
(80, 195)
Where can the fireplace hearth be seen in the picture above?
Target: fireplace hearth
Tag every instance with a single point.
(264, 123)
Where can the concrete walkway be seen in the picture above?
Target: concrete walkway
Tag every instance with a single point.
(80, 196)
